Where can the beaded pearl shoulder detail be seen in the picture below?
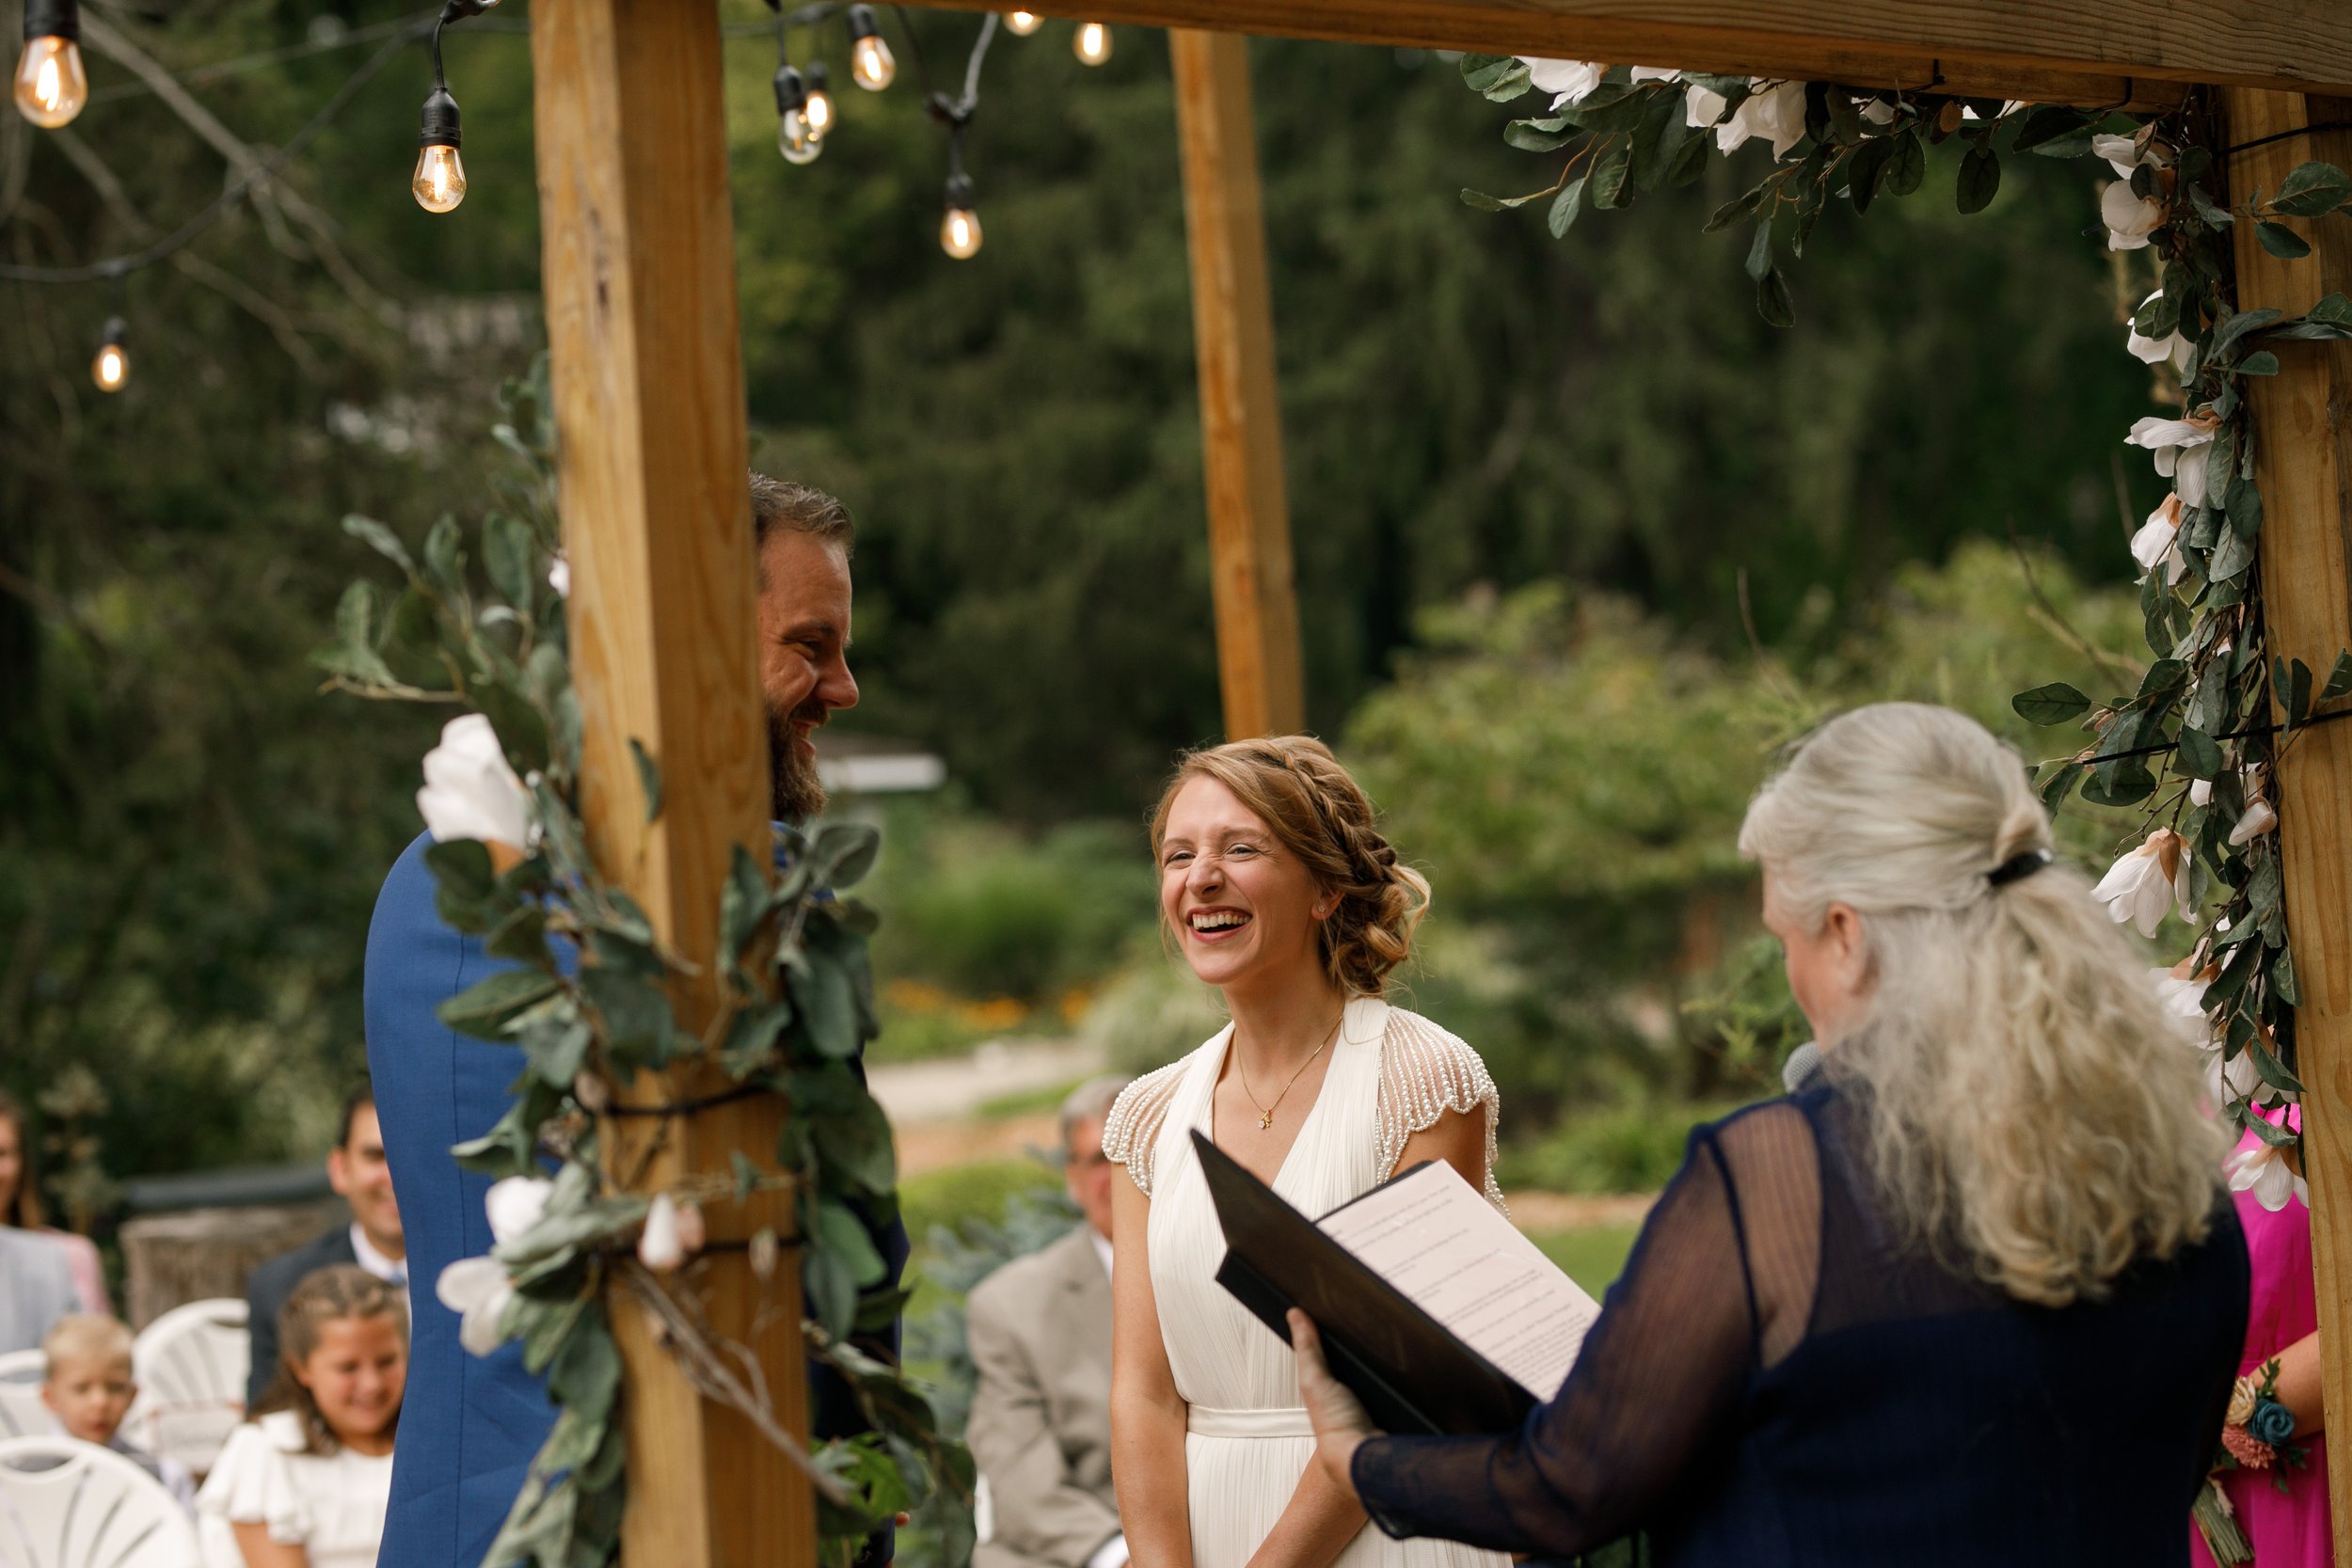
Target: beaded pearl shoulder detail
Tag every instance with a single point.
(1425, 1072)
(1132, 1131)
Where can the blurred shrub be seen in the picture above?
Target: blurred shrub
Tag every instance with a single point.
(1632, 1147)
(1153, 1014)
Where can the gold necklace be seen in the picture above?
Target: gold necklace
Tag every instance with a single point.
(1265, 1113)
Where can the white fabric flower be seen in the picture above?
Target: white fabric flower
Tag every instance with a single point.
(2130, 219)
(2141, 885)
(1653, 74)
(1878, 112)
(2264, 1171)
(2181, 449)
(1775, 113)
(2259, 818)
(1703, 106)
(516, 1204)
(2184, 996)
(2121, 152)
(1569, 81)
(2155, 351)
(2158, 542)
(2201, 792)
(560, 577)
(659, 1248)
(469, 791)
(478, 1291)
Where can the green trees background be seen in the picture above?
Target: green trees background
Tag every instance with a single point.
(191, 836)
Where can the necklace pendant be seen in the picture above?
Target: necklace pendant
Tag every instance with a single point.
(1265, 1121)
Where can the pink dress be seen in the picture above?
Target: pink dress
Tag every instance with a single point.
(2289, 1530)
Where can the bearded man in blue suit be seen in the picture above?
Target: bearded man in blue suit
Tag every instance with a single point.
(469, 1426)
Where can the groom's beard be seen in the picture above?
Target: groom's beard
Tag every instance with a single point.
(795, 794)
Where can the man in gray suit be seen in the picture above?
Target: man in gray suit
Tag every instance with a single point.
(1039, 1329)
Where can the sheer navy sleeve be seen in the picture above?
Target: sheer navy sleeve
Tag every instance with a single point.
(1719, 1284)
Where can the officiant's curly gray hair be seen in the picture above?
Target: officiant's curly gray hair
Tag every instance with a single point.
(2034, 1112)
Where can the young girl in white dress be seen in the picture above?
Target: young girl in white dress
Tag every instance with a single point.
(1279, 891)
(304, 1484)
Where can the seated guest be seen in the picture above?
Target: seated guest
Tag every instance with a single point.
(372, 1239)
(303, 1484)
(21, 1208)
(35, 1289)
(87, 1385)
(1039, 1329)
(1973, 1294)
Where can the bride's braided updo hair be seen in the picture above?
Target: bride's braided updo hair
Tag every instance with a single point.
(1319, 813)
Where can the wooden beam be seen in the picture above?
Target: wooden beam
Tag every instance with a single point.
(1241, 414)
(2303, 465)
(637, 250)
(2120, 52)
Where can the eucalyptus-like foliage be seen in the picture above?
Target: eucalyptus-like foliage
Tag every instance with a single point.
(586, 1005)
(2194, 747)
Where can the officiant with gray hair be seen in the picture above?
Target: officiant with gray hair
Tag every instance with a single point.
(1039, 1329)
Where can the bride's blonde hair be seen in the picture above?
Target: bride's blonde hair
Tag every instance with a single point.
(2030, 1105)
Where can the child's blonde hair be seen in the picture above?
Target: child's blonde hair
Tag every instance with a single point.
(339, 1290)
(86, 1337)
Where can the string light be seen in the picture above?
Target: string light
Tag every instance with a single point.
(1022, 24)
(871, 64)
(439, 182)
(111, 367)
(819, 101)
(796, 135)
(1093, 43)
(960, 231)
(50, 85)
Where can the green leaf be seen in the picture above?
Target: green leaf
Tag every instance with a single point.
(2047, 126)
(1565, 207)
(2208, 210)
(2058, 784)
(2339, 678)
(383, 541)
(2282, 241)
(462, 868)
(2200, 757)
(1732, 210)
(752, 1037)
(484, 1009)
(2290, 683)
(1690, 158)
(648, 777)
(1512, 84)
(585, 1374)
(1480, 71)
(1760, 252)
(832, 1290)
(2230, 333)
(1772, 302)
(1609, 177)
(840, 1231)
(858, 1144)
(1907, 167)
(2053, 704)
(1979, 179)
(1481, 201)
(510, 556)
(1528, 135)
(635, 1012)
(827, 999)
(1865, 168)
(2310, 190)
(2282, 985)
(2260, 363)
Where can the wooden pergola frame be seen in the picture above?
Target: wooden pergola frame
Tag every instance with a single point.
(639, 259)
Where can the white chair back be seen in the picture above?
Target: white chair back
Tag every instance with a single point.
(190, 1364)
(69, 1504)
(22, 1414)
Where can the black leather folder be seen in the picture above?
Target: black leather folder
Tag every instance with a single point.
(1410, 1369)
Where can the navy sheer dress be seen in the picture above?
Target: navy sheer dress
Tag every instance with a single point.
(1775, 1382)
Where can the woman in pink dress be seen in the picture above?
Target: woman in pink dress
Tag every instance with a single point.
(2290, 1528)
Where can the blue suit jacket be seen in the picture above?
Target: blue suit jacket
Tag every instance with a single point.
(468, 1426)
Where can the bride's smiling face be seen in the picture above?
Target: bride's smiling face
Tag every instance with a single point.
(1240, 903)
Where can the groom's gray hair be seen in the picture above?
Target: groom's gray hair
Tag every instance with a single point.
(1090, 1101)
(803, 508)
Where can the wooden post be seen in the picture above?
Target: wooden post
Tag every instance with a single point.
(1241, 415)
(639, 256)
(2303, 464)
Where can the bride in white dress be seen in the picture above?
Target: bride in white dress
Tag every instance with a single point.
(1282, 894)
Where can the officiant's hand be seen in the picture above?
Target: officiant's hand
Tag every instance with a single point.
(1339, 1418)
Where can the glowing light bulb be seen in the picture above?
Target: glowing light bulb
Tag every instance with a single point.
(111, 367)
(960, 233)
(959, 230)
(1022, 24)
(1093, 43)
(440, 181)
(870, 59)
(51, 85)
(820, 113)
(797, 135)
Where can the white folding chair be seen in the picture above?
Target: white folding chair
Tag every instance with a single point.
(69, 1504)
(190, 1364)
(22, 1414)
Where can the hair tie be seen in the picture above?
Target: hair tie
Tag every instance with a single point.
(2019, 866)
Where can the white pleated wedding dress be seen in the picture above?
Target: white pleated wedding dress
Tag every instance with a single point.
(1393, 1074)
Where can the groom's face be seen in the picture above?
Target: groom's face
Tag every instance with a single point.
(804, 660)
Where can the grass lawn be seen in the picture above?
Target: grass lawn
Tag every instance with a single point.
(1593, 1258)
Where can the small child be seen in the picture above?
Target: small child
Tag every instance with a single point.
(88, 1388)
